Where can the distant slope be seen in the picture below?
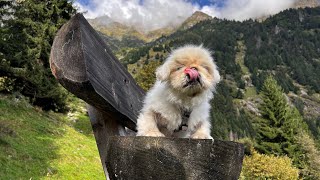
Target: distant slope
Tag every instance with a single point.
(119, 36)
(306, 3)
(115, 29)
(297, 4)
(122, 35)
(41, 145)
(120, 31)
(126, 42)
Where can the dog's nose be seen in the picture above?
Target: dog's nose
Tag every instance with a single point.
(192, 73)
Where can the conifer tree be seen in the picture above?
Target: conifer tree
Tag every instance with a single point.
(282, 131)
(279, 124)
(30, 32)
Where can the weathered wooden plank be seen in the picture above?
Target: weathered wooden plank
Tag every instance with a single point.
(169, 158)
(103, 127)
(84, 65)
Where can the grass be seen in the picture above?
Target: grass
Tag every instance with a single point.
(250, 92)
(240, 57)
(45, 145)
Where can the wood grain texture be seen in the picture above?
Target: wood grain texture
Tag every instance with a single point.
(103, 127)
(143, 158)
(84, 65)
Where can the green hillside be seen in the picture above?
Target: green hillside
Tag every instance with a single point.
(45, 145)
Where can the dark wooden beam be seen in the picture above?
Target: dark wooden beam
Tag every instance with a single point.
(142, 158)
(85, 65)
(103, 127)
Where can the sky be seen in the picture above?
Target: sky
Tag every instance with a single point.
(150, 15)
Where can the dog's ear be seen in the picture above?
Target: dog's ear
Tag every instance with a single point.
(163, 72)
(216, 76)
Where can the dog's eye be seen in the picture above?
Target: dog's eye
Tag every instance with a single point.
(178, 68)
(206, 67)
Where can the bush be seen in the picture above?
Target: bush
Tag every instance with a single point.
(260, 166)
(248, 145)
(311, 170)
(146, 76)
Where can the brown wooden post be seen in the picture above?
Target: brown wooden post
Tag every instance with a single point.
(103, 127)
(85, 66)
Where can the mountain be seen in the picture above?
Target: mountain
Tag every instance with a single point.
(306, 3)
(107, 26)
(121, 34)
(296, 5)
(196, 17)
(124, 36)
(110, 28)
(285, 45)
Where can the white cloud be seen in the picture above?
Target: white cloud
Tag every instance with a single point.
(244, 9)
(88, 13)
(155, 14)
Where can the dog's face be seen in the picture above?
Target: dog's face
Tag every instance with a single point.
(190, 70)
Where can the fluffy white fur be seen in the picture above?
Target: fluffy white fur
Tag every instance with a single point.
(169, 97)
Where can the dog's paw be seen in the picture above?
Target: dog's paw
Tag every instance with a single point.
(153, 134)
(200, 136)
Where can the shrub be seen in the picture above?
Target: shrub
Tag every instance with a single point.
(261, 166)
(146, 76)
(311, 170)
(248, 145)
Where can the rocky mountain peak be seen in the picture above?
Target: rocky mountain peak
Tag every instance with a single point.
(307, 3)
(196, 17)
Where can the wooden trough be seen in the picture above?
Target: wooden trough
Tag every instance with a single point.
(86, 67)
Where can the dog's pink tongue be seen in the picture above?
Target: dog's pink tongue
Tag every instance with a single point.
(193, 74)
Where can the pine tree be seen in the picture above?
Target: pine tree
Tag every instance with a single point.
(26, 50)
(279, 123)
(282, 131)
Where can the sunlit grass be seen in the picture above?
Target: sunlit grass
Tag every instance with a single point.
(78, 157)
(42, 145)
(250, 92)
(240, 55)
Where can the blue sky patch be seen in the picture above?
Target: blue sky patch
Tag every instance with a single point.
(218, 3)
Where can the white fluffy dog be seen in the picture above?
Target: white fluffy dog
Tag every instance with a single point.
(184, 85)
